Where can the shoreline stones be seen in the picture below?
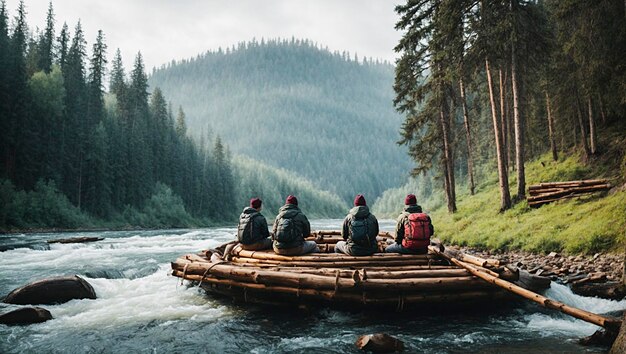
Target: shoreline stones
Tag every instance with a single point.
(598, 275)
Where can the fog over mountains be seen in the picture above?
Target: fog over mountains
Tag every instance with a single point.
(290, 104)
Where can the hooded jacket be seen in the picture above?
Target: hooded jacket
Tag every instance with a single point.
(258, 227)
(403, 219)
(361, 212)
(303, 227)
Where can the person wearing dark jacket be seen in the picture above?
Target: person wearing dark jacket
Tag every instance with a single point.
(252, 231)
(290, 229)
(403, 245)
(360, 228)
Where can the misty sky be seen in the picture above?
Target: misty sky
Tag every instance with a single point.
(175, 29)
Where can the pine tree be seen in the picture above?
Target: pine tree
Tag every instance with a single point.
(5, 91)
(63, 46)
(46, 43)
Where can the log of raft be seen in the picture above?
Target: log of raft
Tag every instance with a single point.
(389, 280)
(544, 193)
(602, 321)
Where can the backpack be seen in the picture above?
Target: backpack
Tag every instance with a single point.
(359, 232)
(246, 228)
(416, 231)
(287, 231)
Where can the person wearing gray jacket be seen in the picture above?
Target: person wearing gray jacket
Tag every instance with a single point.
(252, 231)
(360, 228)
(291, 227)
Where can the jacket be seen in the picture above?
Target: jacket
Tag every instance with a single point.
(303, 227)
(402, 220)
(258, 229)
(361, 212)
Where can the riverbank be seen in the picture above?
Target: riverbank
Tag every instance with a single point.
(589, 275)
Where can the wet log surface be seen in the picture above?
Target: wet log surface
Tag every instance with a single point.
(76, 240)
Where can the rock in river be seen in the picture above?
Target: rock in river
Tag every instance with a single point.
(25, 315)
(52, 291)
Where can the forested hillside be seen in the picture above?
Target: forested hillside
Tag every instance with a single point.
(501, 94)
(325, 116)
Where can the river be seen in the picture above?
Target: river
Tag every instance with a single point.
(142, 309)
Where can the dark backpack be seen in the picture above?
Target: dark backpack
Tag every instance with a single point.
(246, 228)
(287, 231)
(416, 231)
(359, 232)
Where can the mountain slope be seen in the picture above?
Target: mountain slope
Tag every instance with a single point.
(295, 106)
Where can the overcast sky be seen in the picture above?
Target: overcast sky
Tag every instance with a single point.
(175, 29)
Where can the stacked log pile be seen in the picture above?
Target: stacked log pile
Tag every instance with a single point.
(543, 193)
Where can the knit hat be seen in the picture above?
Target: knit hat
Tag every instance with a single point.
(410, 199)
(255, 203)
(291, 200)
(359, 200)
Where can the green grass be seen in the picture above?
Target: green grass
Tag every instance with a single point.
(587, 225)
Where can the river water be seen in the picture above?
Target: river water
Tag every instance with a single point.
(142, 309)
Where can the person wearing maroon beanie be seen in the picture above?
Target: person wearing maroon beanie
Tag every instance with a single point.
(290, 229)
(252, 231)
(360, 228)
(405, 226)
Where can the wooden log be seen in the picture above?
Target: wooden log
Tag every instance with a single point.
(570, 183)
(539, 203)
(325, 257)
(302, 280)
(607, 322)
(336, 264)
(76, 240)
(349, 268)
(354, 296)
(570, 191)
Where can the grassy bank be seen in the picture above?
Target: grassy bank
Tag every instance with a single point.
(584, 225)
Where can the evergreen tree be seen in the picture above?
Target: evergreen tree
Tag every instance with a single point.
(76, 111)
(63, 46)
(46, 43)
(5, 91)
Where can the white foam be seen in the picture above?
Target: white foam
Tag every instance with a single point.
(124, 302)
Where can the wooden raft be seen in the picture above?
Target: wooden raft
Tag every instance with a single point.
(543, 193)
(387, 280)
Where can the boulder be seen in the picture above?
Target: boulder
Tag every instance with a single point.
(25, 315)
(379, 343)
(54, 290)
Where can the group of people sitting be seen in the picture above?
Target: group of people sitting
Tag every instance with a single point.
(360, 230)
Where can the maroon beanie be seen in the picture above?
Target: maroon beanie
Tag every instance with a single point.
(410, 199)
(255, 203)
(359, 200)
(291, 200)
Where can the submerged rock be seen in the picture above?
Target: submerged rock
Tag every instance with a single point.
(25, 315)
(379, 343)
(55, 290)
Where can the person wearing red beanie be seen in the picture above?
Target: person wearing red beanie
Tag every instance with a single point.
(290, 229)
(252, 231)
(360, 228)
(413, 229)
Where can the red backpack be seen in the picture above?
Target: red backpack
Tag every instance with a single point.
(416, 231)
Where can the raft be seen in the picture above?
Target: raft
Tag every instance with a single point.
(386, 280)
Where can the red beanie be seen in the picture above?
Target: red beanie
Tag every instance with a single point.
(359, 200)
(291, 200)
(255, 203)
(410, 199)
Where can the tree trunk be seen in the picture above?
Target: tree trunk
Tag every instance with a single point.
(503, 178)
(503, 122)
(468, 138)
(592, 126)
(555, 157)
(447, 156)
(583, 132)
(519, 126)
